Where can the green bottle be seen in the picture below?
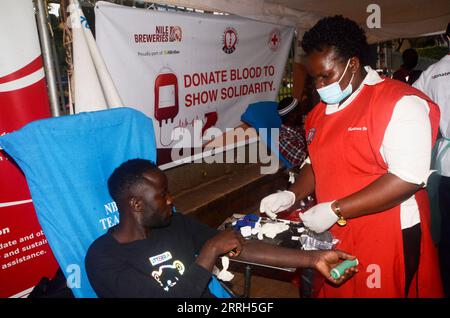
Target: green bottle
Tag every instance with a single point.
(339, 270)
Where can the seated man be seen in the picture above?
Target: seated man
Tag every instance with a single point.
(152, 252)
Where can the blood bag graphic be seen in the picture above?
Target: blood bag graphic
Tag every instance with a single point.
(166, 97)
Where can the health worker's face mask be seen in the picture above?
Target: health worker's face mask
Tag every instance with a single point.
(333, 94)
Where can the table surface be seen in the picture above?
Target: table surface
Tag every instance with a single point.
(283, 239)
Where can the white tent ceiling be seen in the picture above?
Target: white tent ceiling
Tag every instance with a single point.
(399, 18)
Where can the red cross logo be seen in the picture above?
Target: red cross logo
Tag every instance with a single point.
(274, 39)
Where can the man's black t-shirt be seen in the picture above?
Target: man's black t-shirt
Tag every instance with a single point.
(163, 265)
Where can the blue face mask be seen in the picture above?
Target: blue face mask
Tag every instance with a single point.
(333, 94)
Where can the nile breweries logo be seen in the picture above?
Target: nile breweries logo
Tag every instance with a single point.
(163, 33)
(229, 40)
(175, 34)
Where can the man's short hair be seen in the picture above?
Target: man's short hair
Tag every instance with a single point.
(127, 175)
(448, 30)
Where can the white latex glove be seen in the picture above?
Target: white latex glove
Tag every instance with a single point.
(319, 218)
(277, 202)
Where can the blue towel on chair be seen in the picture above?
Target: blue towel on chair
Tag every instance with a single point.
(67, 162)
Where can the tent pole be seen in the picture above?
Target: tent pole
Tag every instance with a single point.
(58, 77)
(49, 66)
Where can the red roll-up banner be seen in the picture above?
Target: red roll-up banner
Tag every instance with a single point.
(25, 256)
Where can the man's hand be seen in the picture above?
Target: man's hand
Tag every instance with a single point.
(319, 218)
(325, 261)
(277, 202)
(225, 242)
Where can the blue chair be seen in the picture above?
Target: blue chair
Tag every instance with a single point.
(67, 162)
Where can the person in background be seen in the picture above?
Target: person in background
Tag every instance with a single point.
(369, 144)
(435, 82)
(292, 133)
(407, 73)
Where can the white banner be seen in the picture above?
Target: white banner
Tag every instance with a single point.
(94, 89)
(182, 67)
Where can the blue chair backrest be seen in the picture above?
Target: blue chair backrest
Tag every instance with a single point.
(67, 162)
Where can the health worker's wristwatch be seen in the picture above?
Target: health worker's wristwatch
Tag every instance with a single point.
(337, 210)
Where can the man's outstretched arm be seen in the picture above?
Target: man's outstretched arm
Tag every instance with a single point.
(272, 255)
